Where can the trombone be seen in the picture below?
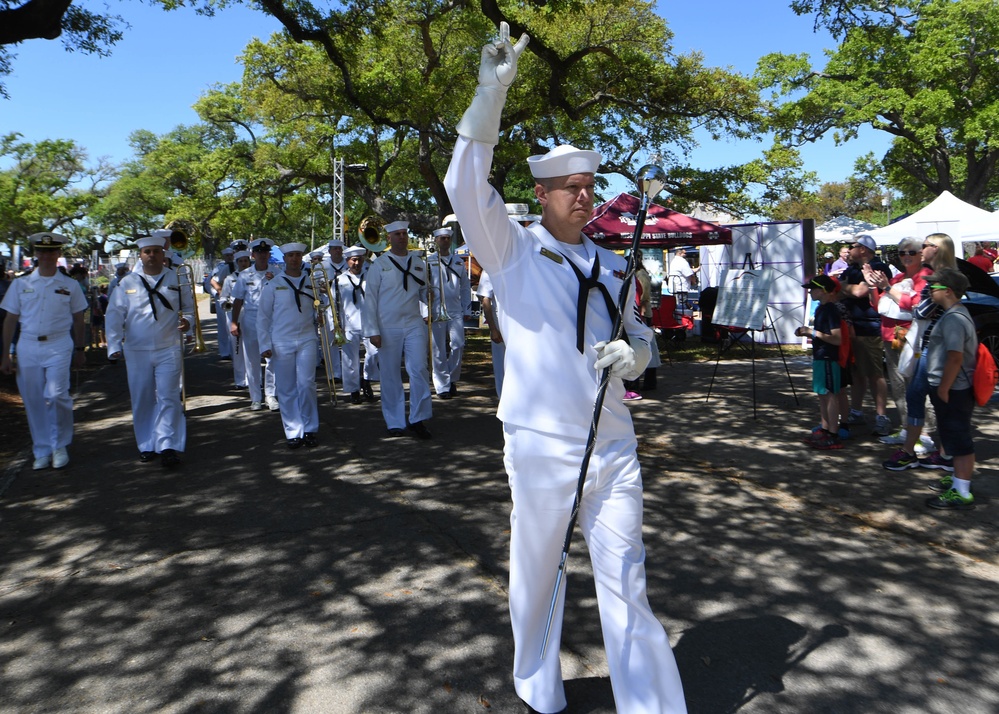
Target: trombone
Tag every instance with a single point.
(321, 283)
(185, 281)
(438, 312)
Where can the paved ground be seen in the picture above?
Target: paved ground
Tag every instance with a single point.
(369, 575)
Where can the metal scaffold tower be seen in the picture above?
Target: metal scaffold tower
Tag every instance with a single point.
(338, 217)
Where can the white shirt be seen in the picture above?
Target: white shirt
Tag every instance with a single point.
(387, 303)
(352, 294)
(45, 306)
(280, 317)
(549, 386)
(131, 317)
(457, 289)
(250, 286)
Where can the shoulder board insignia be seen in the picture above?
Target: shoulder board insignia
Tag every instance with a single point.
(133, 291)
(620, 274)
(61, 291)
(551, 255)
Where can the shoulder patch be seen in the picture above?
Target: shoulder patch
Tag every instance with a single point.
(551, 255)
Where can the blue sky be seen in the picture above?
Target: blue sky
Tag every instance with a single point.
(167, 60)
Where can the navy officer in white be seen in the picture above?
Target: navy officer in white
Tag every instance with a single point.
(144, 318)
(49, 305)
(558, 295)
(449, 275)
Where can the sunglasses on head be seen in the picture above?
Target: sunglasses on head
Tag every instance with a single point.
(909, 252)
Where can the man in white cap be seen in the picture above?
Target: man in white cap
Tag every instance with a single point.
(223, 318)
(351, 295)
(143, 319)
(394, 296)
(286, 327)
(245, 303)
(49, 305)
(335, 266)
(241, 261)
(558, 291)
(447, 274)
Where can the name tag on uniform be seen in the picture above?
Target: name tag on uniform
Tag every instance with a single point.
(131, 292)
(418, 268)
(551, 255)
(280, 287)
(28, 290)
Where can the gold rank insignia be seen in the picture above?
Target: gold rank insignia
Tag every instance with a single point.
(551, 255)
(131, 292)
(61, 291)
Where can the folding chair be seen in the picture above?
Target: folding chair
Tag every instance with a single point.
(666, 325)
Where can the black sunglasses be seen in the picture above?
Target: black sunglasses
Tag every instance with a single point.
(909, 252)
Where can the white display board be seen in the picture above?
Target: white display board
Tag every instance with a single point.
(742, 298)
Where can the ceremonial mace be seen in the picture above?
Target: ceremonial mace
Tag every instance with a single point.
(650, 179)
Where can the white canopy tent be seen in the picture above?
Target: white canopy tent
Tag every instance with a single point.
(841, 229)
(946, 214)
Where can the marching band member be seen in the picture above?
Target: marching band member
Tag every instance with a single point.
(143, 319)
(392, 320)
(50, 306)
(555, 287)
(335, 266)
(223, 318)
(241, 261)
(286, 327)
(449, 336)
(351, 295)
(245, 302)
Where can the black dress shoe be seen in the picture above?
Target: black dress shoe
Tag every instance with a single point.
(310, 438)
(294, 443)
(355, 398)
(444, 395)
(396, 432)
(420, 430)
(454, 389)
(146, 456)
(369, 393)
(169, 459)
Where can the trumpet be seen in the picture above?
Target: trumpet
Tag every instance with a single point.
(321, 283)
(185, 277)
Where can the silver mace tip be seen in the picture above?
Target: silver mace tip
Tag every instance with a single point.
(651, 179)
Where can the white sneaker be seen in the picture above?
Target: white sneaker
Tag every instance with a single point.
(272, 403)
(924, 447)
(894, 439)
(42, 462)
(60, 457)
(256, 406)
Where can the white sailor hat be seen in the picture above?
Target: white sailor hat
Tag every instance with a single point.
(355, 250)
(47, 240)
(238, 244)
(261, 243)
(335, 243)
(151, 241)
(241, 254)
(294, 248)
(396, 226)
(564, 160)
(442, 232)
(162, 233)
(227, 251)
(120, 266)
(316, 255)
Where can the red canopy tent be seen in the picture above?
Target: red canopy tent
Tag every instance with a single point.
(613, 225)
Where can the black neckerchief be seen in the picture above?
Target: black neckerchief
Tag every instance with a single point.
(300, 291)
(154, 292)
(358, 288)
(586, 284)
(406, 275)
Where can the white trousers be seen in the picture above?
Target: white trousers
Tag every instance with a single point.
(157, 414)
(223, 320)
(294, 366)
(409, 344)
(251, 359)
(449, 344)
(43, 374)
(543, 470)
(350, 362)
(238, 360)
(371, 371)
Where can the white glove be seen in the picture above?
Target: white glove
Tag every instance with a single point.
(625, 361)
(497, 70)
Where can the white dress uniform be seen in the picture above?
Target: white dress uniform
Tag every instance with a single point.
(45, 308)
(223, 319)
(286, 326)
(334, 271)
(248, 288)
(546, 407)
(449, 336)
(238, 362)
(142, 322)
(352, 293)
(394, 297)
(485, 290)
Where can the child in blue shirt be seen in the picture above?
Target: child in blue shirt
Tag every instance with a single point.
(826, 373)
